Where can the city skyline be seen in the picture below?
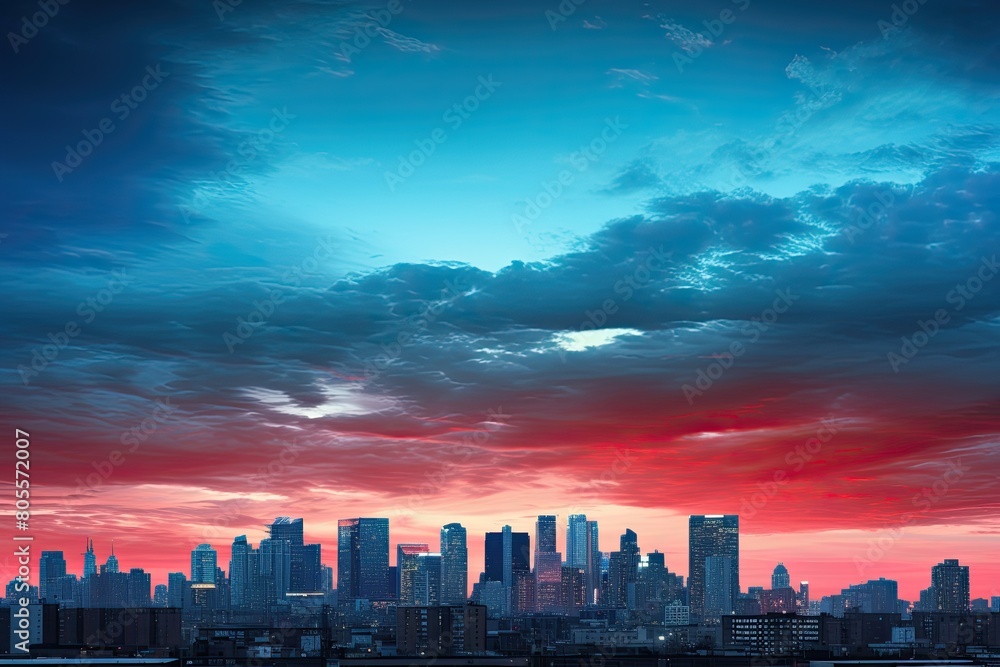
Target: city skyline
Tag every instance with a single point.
(989, 588)
(437, 261)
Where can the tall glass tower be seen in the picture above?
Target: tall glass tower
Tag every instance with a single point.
(362, 560)
(454, 564)
(203, 563)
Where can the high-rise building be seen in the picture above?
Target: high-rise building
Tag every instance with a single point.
(545, 534)
(160, 595)
(138, 588)
(576, 541)
(780, 577)
(803, 597)
(950, 582)
(583, 552)
(507, 555)
(274, 568)
(304, 575)
(719, 600)
(508, 560)
(592, 572)
(548, 566)
(623, 572)
(406, 568)
(111, 565)
(239, 580)
(51, 570)
(176, 589)
(362, 560)
(288, 529)
(89, 560)
(427, 579)
(454, 565)
(713, 535)
(203, 563)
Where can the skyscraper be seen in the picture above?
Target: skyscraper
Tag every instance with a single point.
(950, 583)
(406, 568)
(508, 560)
(362, 560)
(584, 552)
(239, 579)
(592, 572)
(576, 541)
(548, 566)
(427, 579)
(160, 595)
(203, 564)
(89, 560)
(176, 589)
(545, 533)
(508, 554)
(288, 529)
(111, 565)
(780, 577)
(713, 535)
(719, 600)
(454, 565)
(51, 570)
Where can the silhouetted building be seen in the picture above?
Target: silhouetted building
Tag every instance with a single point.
(362, 560)
(203, 563)
(454, 565)
(429, 631)
(713, 536)
(51, 569)
(950, 582)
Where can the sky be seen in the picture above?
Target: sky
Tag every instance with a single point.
(453, 261)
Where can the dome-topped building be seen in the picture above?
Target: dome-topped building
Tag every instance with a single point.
(780, 578)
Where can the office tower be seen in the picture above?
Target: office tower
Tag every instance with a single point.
(203, 564)
(719, 600)
(780, 578)
(275, 568)
(593, 567)
(427, 579)
(576, 541)
(994, 603)
(89, 560)
(583, 552)
(239, 580)
(176, 589)
(362, 560)
(573, 590)
(545, 534)
(307, 577)
(288, 529)
(406, 568)
(305, 559)
(454, 565)
(51, 570)
(877, 596)
(507, 556)
(111, 565)
(803, 597)
(629, 549)
(138, 583)
(651, 586)
(548, 566)
(160, 595)
(713, 535)
(508, 560)
(950, 582)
